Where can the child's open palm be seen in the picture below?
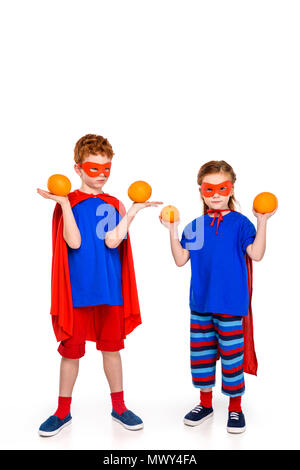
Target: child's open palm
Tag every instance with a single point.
(48, 195)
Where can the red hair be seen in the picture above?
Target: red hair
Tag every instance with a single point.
(92, 144)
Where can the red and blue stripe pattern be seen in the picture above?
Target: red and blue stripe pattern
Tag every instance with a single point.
(210, 333)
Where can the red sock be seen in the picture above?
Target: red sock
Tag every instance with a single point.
(235, 404)
(206, 399)
(64, 406)
(117, 400)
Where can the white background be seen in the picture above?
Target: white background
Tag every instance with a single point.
(172, 84)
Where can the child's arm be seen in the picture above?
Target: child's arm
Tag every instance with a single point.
(180, 254)
(114, 237)
(257, 249)
(71, 232)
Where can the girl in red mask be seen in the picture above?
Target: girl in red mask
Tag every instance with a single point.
(221, 245)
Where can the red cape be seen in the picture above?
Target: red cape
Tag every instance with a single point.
(61, 295)
(250, 360)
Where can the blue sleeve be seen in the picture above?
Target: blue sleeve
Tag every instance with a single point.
(188, 237)
(248, 234)
(112, 218)
(193, 235)
(183, 240)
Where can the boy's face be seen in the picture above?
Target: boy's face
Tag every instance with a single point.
(217, 200)
(87, 177)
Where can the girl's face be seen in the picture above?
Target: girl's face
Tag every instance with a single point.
(217, 201)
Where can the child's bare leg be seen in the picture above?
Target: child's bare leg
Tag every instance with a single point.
(68, 375)
(112, 365)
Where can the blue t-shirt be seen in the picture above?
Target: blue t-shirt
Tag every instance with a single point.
(219, 272)
(95, 269)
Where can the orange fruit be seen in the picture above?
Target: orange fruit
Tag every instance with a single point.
(139, 191)
(169, 214)
(265, 202)
(59, 185)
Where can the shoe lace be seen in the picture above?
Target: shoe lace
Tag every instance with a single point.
(234, 415)
(197, 409)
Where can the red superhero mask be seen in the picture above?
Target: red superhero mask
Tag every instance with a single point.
(95, 169)
(209, 189)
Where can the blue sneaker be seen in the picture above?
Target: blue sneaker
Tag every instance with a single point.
(128, 419)
(53, 425)
(197, 415)
(236, 422)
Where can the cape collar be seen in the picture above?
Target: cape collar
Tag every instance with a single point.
(216, 212)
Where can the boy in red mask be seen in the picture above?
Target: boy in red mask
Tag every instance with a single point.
(93, 288)
(221, 257)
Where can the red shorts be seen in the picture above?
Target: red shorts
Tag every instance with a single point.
(106, 321)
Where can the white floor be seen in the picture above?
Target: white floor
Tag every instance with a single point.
(269, 426)
(157, 380)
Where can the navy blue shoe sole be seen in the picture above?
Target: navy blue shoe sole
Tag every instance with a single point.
(52, 433)
(189, 422)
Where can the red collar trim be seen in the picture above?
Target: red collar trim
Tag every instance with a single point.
(220, 217)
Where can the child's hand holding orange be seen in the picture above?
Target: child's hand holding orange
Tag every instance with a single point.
(47, 195)
(169, 217)
(265, 205)
(59, 187)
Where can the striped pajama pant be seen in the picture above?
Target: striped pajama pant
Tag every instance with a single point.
(211, 332)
